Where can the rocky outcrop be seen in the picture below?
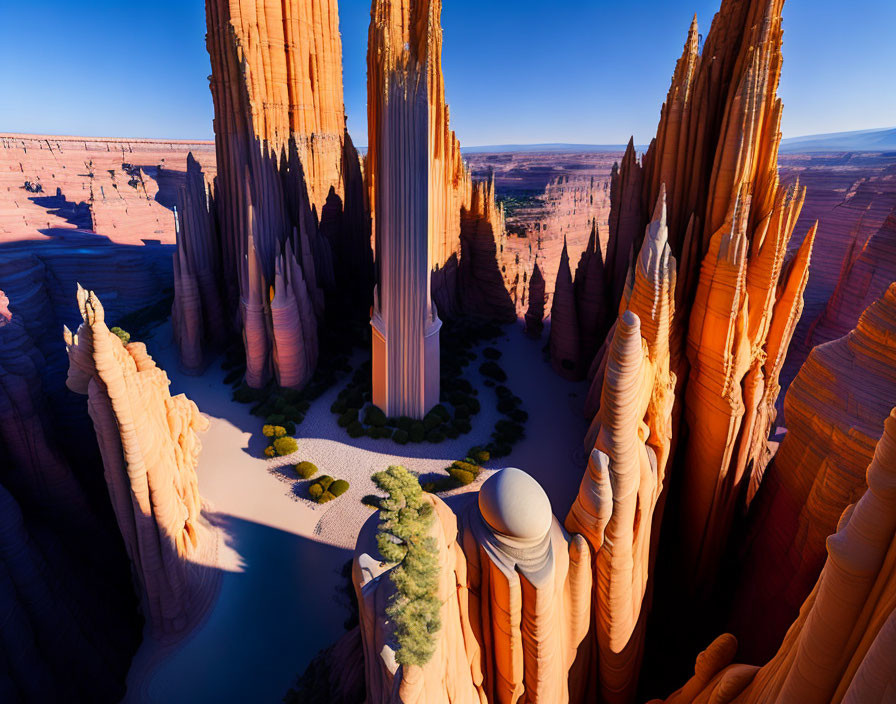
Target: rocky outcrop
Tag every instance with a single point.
(288, 195)
(840, 647)
(454, 673)
(530, 587)
(618, 509)
(535, 313)
(150, 449)
(515, 593)
(836, 408)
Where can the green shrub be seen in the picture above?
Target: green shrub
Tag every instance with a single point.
(405, 423)
(503, 392)
(375, 416)
(417, 432)
(473, 469)
(339, 487)
(479, 455)
(347, 418)
(355, 429)
(462, 426)
(325, 481)
(290, 427)
(403, 538)
(285, 446)
(462, 476)
(381, 433)
(441, 412)
(325, 497)
(461, 412)
(473, 404)
(506, 405)
(431, 421)
(315, 491)
(401, 436)
(275, 419)
(306, 470)
(491, 353)
(122, 335)
(452, 432)
(435, 436)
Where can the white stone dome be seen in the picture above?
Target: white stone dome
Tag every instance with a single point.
(514, 504)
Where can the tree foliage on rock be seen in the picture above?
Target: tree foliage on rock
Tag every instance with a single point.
(406, 518)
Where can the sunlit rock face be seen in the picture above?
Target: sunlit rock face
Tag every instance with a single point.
(836, 408)
(530, 586)
(150, 449)
(515, 592)
(840, 647)
(285, 229)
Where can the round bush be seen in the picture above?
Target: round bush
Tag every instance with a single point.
(418, 432)
(491, 353)
(435, 436)
(518, 415)
(355, 429)
(375, 416)
(401, 437)
(325, 481)
(275, 419)
(462, 476)
(474, 405)
(479, 455)
(461, 412)
(347, 418)
(285, 446)
(339, 487)
(441, 412)
(306, 470)
(315, 490)
(405, 423)
(325, 497)
(431, 421)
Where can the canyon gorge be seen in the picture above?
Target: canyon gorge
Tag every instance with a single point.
(662, 378)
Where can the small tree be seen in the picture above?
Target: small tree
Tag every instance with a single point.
(403, 537)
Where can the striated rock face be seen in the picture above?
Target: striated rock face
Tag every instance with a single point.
(530, 587)
(288, 201)
(618, 508)
(515, 593)
(416, 200)
(148, 440)
(836, 409)
(737, 301)
(840, 647)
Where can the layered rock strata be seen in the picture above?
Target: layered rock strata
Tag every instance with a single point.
(836, 408)
(840, 647)
(289, 204)
(150, 449)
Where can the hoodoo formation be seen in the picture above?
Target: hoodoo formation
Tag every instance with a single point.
(286, 234)
(415, 201)
(150, 448)
(675, 283)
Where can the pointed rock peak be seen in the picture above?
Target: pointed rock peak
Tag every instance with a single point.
(659, 210)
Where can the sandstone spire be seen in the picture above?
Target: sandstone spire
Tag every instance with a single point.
(535, 313)
(840, 646)
(565, 342)
(150, 448)
(288, 184)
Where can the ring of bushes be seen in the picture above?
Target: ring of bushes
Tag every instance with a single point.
(458, 401)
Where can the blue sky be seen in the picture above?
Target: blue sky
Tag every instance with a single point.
(517, 71)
